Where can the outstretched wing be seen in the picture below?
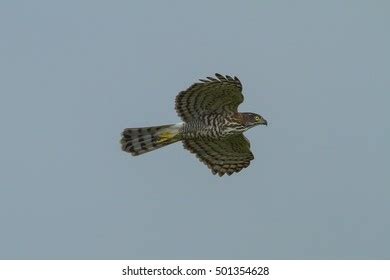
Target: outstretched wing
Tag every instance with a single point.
(227, 155)
(221, 95)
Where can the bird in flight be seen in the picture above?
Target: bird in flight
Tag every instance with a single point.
(212, 128)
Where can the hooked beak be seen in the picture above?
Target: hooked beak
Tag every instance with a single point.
(265, 122)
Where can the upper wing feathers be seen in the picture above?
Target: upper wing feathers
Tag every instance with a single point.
(222, 94)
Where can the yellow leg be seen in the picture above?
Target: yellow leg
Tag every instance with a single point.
(165, 136)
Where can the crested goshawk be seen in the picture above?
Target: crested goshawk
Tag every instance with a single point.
(211, 128)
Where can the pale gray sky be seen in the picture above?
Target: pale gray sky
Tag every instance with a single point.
(75, 73)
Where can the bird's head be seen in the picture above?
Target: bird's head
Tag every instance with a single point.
(252, 119)
(241, 122)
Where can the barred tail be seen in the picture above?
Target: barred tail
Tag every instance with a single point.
(138, 141)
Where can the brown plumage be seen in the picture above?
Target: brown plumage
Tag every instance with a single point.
(212, 128)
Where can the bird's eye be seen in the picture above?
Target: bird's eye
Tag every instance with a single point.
(257, 118)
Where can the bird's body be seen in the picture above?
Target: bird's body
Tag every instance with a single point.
(212, 127)
(209, 126)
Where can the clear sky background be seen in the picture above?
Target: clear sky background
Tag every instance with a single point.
(75, 73)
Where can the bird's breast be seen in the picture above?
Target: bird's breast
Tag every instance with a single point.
(211, 126)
